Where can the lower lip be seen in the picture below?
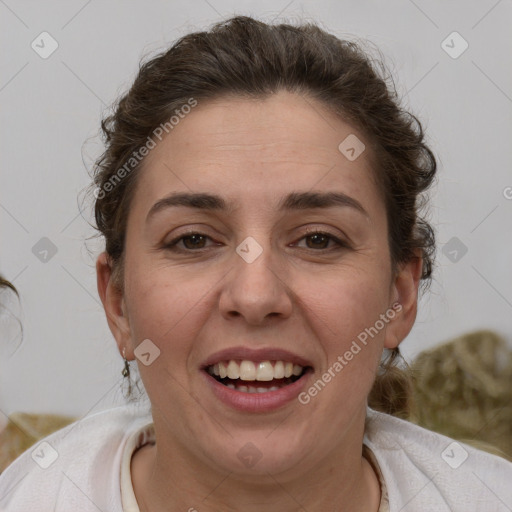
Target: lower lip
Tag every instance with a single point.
(256, 402)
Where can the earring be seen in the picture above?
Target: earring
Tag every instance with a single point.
(126, 369)
(129, 384)
(127, 377)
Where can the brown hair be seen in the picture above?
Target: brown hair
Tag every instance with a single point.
(7, 284)
(245, 57)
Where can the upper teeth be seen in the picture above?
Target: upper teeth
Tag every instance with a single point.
(248, 370)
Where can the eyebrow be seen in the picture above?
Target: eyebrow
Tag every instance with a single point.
(293, 201)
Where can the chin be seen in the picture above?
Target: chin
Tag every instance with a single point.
(259, 455)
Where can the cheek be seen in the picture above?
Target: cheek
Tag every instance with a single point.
(363, 301)
(347, 299)
(156, 300)
(158, 304)
(162, 312)
(346, 316)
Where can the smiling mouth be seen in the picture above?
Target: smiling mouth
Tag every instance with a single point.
(256, 377)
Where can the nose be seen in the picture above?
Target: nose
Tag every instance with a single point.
(255, 289)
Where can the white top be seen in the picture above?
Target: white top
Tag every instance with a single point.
(86, 467)
(144, 435)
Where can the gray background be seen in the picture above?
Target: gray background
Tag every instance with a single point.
(50, 114)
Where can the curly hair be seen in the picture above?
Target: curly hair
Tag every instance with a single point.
(248, 58)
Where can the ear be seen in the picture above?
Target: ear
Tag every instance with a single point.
(114, 305)
(404, 293)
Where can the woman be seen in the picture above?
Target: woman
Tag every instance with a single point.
(259, 199)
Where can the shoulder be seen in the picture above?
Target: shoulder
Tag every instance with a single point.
(77, 467)
(425, 470)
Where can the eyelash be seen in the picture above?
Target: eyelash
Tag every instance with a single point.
(172, 245)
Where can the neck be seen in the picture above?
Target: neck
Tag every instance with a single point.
(166, 478)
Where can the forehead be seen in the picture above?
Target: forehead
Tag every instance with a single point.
(291, 123)
(257, 147)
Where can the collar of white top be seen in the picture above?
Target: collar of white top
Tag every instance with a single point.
(139, 438)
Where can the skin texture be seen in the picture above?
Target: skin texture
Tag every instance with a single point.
(300, 294)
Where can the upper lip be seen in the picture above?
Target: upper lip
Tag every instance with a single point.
(256, 355)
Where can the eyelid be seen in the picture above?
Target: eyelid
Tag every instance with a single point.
(172, 243)
(341, 242)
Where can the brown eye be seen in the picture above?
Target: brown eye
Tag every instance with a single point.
(191, 241)
(194, 242)
(195, 239)
(318, 240)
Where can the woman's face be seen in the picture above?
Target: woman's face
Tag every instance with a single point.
(256, 285)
